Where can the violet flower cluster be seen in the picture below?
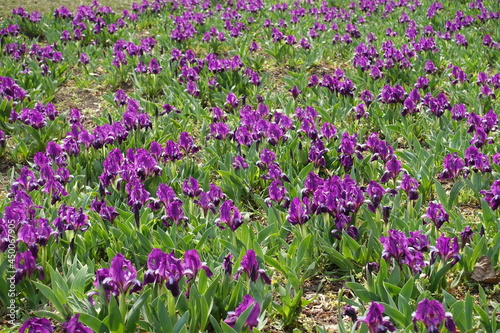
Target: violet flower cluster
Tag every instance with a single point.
(166, 268)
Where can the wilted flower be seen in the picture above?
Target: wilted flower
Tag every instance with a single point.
(432, 314)
(227, 264)
(252, 319)
(350, 312)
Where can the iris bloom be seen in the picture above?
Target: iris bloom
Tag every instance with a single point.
(38, 325)
(435, 213)
(432, 314)
(250, 265)
(252, 319)
(120, 278)
(74, 326)
(374, 319)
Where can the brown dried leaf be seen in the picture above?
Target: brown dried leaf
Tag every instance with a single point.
(484, 271)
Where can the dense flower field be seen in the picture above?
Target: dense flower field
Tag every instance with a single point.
(242, 150)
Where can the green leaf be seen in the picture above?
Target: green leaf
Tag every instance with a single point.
(114, 319)
(95, 324)
(468, 308)
(79, 281)
(49, 294)
(443, 197)
(132, 317)
(395, 315)
(48, 314)
(181, 323)
(362, 293)
(407, 290)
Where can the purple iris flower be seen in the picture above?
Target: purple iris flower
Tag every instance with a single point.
(410, 186)
(252, 319)
(453, 166)
(430, 68)
(35, 232)
(191, 188)
(219, 131)
(192, 265)
(229, 215)
(154, 67)
(492, 196)
(476, 160)
(227, 264)
(205, 203)
(164, 268)
(422, 83)
(174, 213)
(375, 192)
(277, 193)
(435, 213)
(381, 149)
(374, 319)
(25, 265)
(298, 211)
(480, 138)
(250, 265)
(74, 326)
(137, 194)
(275, 173)
(38, 325)
(432, 314)
(172, 151)
(405, 250)
(328, 131)
(232, 100)
(267, 158)
(446, 248)
(295, 92)
(367, 97)
(458, 112)
(393, 168)
(215, 194)
(466, 236)
(239, 163)
(119, 278)
(186, 143)
(107, 213)
(71, 218)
